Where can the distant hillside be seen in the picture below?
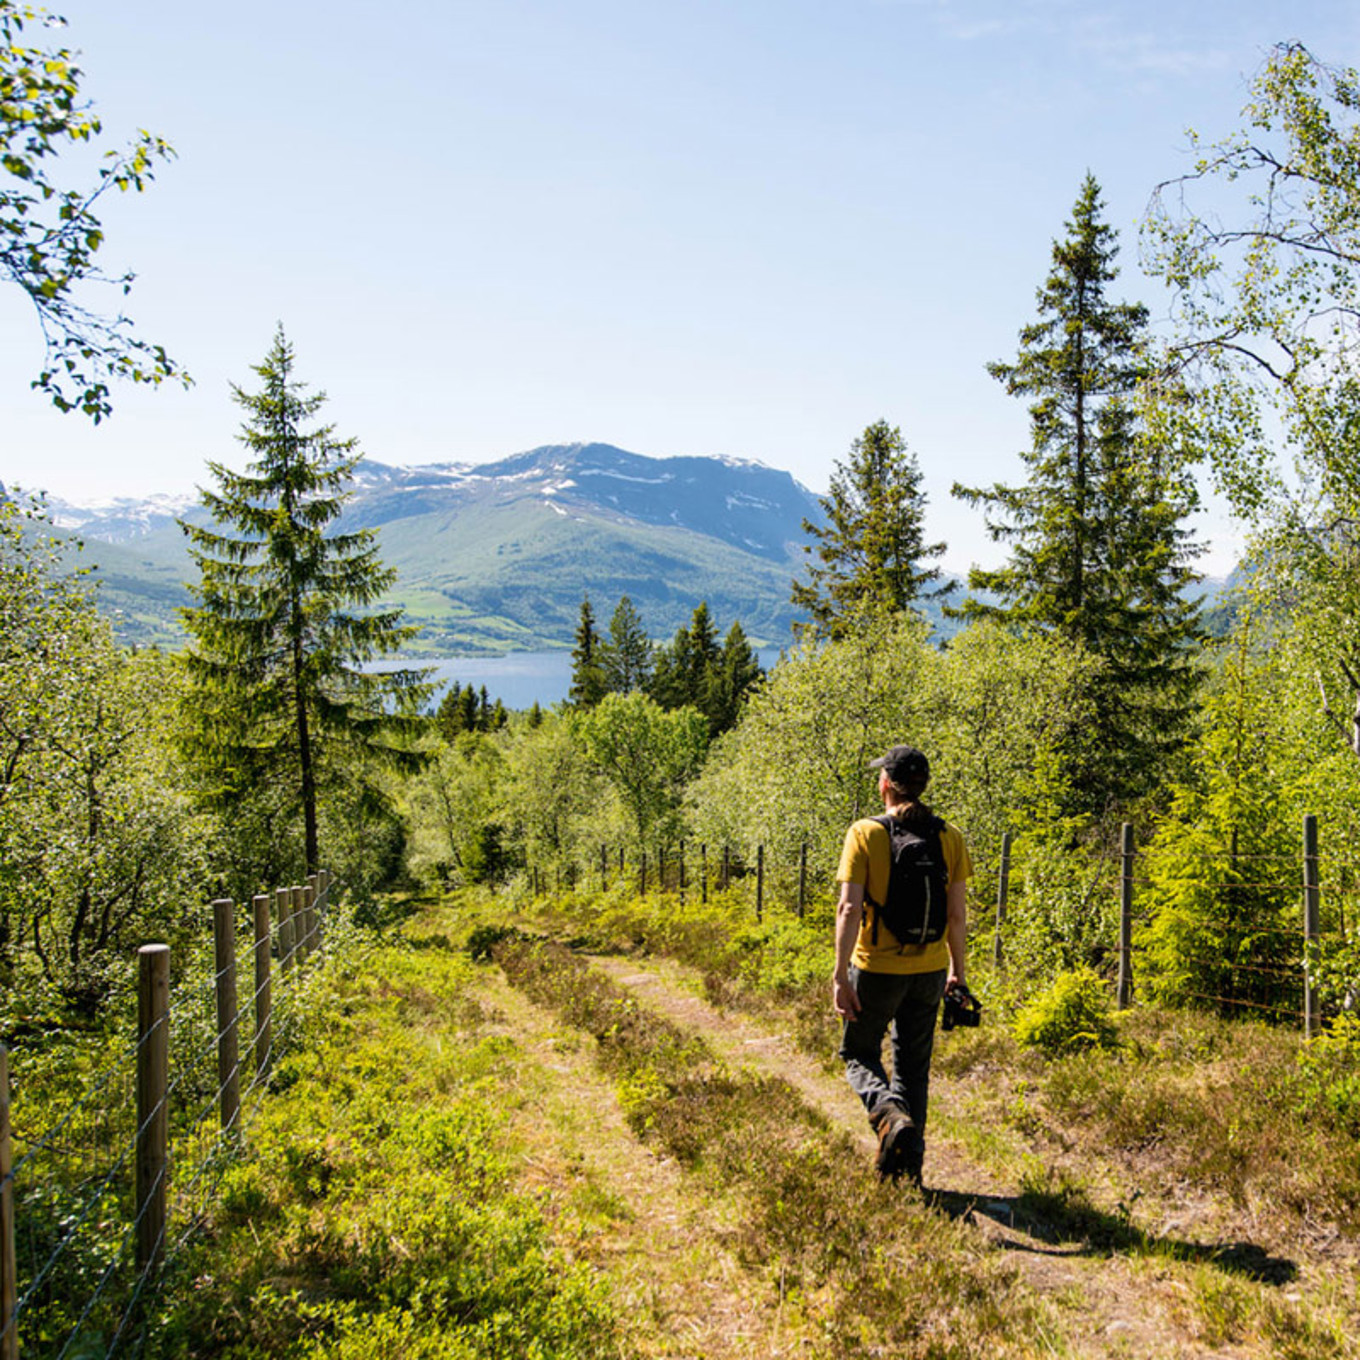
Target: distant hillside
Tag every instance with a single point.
(497, 556)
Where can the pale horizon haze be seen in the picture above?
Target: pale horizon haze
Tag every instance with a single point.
(744, 229)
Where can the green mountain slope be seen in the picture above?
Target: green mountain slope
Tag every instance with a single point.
(514, 574)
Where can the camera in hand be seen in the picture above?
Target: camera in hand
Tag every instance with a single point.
(961, 1007)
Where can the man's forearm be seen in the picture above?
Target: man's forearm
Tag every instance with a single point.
(848, 913)
(847, 929)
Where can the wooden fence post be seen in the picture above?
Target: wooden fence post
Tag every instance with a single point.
(604, 868)
(802, 879)
(1003, 889)
(1125, 915)
(299, 914)
(760, 882)
(9, 1290)
(703, 871)
(313, 896)
(153, 1080)
(228, 1056)
(1312, 1012)
(283, 905)
(263, 988)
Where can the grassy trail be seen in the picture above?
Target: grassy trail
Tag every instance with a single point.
(1111, 1252)
(679, 1287)
(579, 1156)
(1109, 1304)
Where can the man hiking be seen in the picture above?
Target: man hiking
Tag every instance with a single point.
(900, 943)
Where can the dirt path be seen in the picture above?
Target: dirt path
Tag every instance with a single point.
(630, 1212)
(1110, 1304)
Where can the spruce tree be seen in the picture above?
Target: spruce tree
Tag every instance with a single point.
(449, 715)
(683, 667)
(670, 682)
(468, 710)
(872, 547)
(628, 656)
(1100, 552)
(588, 685)
(737, 671)
(287, 611)
(704, 653)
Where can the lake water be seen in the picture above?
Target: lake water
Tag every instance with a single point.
(518, 679)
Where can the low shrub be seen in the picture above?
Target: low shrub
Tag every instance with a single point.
(1072, 1015)
(1329, 1069)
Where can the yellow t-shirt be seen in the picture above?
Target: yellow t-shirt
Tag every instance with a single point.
(867, 859)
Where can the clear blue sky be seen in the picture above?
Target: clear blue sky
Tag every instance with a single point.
(745, 228)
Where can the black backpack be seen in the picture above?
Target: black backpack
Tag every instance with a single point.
(916, 910)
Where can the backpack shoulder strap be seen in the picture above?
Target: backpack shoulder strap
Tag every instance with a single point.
(885, 821)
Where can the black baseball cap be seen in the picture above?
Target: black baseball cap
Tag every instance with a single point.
(904, 765)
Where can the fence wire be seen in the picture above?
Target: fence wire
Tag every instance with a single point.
(79, 1287)
(1261, 971)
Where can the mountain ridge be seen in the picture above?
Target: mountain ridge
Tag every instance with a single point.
(497, 556)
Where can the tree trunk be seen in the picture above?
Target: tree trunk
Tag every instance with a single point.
(313, 858)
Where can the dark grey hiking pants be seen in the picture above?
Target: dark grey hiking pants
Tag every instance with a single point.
(906, 1004)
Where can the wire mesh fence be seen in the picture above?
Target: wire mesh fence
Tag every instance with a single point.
(1238, 930)
(1244, 944)
(777, 875)
(102, 1193)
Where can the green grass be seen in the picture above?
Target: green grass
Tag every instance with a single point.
(872, 1265)
(376, 1211)
(1103, 1144)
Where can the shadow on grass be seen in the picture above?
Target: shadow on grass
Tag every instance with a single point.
(1071, 1225)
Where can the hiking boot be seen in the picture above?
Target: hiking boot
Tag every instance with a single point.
(896, 1138)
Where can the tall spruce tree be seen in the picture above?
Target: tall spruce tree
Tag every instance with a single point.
(1100, 551)
(286, 612)
(872, 546)
(588, 683)
(628, 655)
(733, 677)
